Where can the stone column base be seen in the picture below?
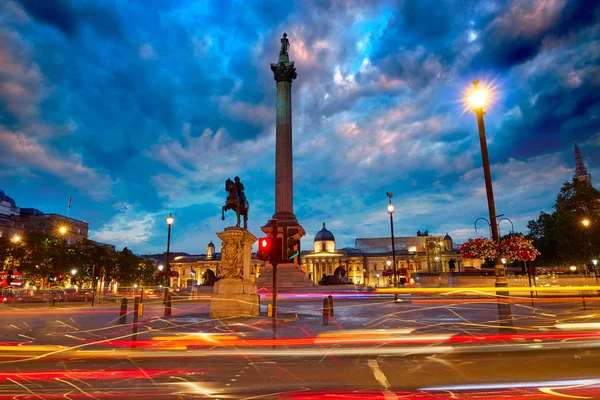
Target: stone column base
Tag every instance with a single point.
(234, 298)
(289, 276)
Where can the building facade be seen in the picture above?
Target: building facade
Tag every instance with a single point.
(191, 268)
(19, 221)
(370, 261)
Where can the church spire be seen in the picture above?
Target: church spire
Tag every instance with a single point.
(581, 172)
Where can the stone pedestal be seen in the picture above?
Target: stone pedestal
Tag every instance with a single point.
(234, 298)
(235, 295)
(289, 276)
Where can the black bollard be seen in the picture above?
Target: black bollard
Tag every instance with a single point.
(331, 313)
(326, 311)
(136, 316)
(123, 312)
(168, 305)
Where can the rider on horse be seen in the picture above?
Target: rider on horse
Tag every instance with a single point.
(239, 187)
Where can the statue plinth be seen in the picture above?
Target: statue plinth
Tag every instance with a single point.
(234, 295)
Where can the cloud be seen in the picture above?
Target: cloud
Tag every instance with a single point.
(128, 227)
(62, 15)
(20, 79)
(147, 52)
(519, 32)
(26, 154)
(161, 124)
(200, 164)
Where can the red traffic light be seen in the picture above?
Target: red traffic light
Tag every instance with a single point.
(264, 244)
(264, 248)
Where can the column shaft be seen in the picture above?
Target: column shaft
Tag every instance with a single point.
(283, 160)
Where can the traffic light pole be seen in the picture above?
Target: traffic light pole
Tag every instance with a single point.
(274, 261)
(93, 283)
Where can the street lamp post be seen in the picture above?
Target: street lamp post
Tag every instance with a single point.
(170, 221)
(388, 263)
(390, 209)
(15, 239)
(477, 100)
(63, 231)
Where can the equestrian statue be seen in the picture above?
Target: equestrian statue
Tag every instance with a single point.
(236, 200)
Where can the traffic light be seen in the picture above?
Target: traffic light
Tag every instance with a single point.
(51, 278)
(264, 249)
(290, 248)
(60, 276)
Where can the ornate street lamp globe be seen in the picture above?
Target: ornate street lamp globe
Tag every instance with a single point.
(170, 219)
(324, 241)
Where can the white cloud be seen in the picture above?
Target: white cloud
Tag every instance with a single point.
(147, 52)
(128, 227)
(28, 154)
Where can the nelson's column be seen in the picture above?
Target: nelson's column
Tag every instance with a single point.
(288, 274)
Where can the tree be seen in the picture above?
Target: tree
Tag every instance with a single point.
(561, 236)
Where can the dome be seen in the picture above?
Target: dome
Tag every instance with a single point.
(324, 234)
(447, 237)
(211, 244)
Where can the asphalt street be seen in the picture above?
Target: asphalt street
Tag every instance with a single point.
(371, 348)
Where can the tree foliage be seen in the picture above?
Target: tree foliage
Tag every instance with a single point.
(561, 237)
(40, 256)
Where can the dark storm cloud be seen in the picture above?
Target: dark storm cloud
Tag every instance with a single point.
(519, 32)
(58, 13)
(68, 16)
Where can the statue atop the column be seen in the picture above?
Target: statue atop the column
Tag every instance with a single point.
(236, 200)
(285, 45)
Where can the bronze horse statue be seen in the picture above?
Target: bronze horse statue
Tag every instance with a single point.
(233, 203)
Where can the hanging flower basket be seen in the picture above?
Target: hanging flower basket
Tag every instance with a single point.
(517, 248)
(514, 248)
(480, 248)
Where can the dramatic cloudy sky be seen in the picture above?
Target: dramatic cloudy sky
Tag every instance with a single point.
(139, 108)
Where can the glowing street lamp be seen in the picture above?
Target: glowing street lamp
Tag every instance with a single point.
(73, 271)
(477, 99)
(503, 261)
(170, 221)
(62, 230)
(595, 262)
(390, 210)
(16, 239)
(161, 267)
(586, 224)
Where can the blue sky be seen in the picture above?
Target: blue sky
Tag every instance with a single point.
(141, 108)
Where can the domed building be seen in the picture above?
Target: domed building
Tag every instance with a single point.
(370, 260)
(324, 259)
(210, 250)
(324, 241)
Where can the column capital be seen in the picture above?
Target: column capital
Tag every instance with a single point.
(284, 71)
